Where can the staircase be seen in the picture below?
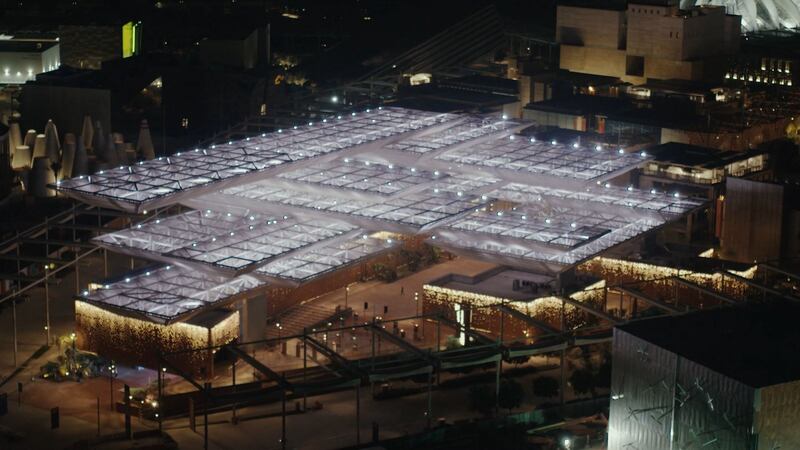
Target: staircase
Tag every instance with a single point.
(293, 320)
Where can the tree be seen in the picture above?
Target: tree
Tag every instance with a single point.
(583, 381)
(481, 399)
(452, 343)
(511, 394)
(517, 360)
(545, 386)
(590, 377)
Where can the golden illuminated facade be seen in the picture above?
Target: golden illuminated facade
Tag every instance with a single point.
(139, 342)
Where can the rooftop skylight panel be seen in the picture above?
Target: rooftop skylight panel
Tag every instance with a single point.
(468, 130)
(563, 229)
(628, 197)
(147, 181)
(464, 183)
(305, 265)
(416, 208)
(561, 245)
(363, 175)
(517, 153)
(166, 293)
(225, 240)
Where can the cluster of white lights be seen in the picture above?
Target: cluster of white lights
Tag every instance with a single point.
(164, 295)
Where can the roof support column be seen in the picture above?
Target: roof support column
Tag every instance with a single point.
(253, 318)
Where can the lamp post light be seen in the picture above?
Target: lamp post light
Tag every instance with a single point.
(112, 373)
(72, 363)
(346, 292)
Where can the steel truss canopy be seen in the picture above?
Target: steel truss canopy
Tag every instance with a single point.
(167, 180)
(470, 129)
(232, 242)
(557, 227)
(169, 293)
(296, 204)
(757, 15)
(307, 265)
(517, 157)
(407, 213)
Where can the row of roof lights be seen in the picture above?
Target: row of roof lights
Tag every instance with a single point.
(652, 191)
(577, 145)
(127, 280)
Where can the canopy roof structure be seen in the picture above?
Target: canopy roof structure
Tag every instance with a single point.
(516, 156)
(170, 292)
(227, 241)
(295, 204)
(167, 180)
(304, 266)
(757, 15)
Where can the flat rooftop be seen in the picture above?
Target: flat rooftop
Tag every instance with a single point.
(168, 293)
(753, 344)
(696, 156)
(504, 283)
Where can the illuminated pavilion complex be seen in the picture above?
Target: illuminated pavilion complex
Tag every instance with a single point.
(228, 226)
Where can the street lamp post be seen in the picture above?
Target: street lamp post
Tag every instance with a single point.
(416, 306)
(47, 304)
(112, 373)
(346, 291)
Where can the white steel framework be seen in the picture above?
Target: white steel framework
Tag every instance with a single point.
(757, 14)
(304, 266)
(516, 154)
(159, 182)
(170, 292)
(291, 205)
(223, 240)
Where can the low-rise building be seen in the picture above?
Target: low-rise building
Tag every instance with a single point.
(22, 59)
(647, 40)
(720, 378)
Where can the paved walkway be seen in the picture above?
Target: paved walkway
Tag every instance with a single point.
(334, 425)
(331, 427)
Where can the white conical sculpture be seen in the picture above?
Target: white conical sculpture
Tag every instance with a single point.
(30, 138)
(51, 142)
(144, 146)
(119, 147)
(39, 149)
(67, 157)
(81, 164)
(87, 132)
(22, 158)
(110, 153)
(14, 137)
(41, 176)
(99, 141)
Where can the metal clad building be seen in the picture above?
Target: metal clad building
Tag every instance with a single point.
(706, 381)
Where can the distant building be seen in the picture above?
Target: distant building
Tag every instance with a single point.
(720, 378)
(89, 46)
(235, 49)
(699, 172)
(22, 59)
(471, 93)
(696, 170)
(648, 40)
(752, 221)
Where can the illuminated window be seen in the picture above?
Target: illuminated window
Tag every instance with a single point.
(185, 122)
(131, 39)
